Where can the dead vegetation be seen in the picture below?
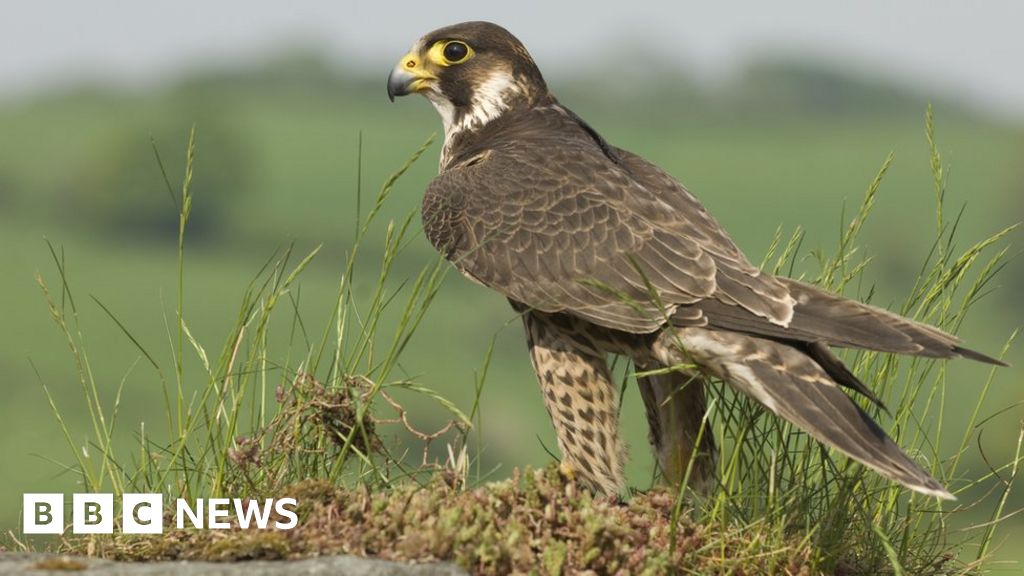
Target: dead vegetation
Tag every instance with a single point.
(341, 442)
(533, 522)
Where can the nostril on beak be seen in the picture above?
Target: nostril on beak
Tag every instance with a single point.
(404, 76)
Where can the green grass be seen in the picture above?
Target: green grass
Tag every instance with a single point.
(844, 509)
(292, 165)
(290, 394)
(203, 425)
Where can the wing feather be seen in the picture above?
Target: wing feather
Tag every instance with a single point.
(793, 386)
(549, 220)
(544, 215)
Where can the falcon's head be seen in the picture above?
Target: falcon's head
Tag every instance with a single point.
(471, 72)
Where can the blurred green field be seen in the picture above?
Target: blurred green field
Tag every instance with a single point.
(278, 158)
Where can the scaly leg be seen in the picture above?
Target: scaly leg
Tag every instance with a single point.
(675, 405)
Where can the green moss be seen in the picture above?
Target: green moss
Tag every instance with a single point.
(531, 523)
(248, 545)
(553, 558)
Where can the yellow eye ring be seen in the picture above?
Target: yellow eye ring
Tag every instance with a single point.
(451, 52)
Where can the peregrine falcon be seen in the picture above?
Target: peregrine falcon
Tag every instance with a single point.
(604, 253)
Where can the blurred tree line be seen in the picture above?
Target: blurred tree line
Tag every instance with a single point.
(114, 186)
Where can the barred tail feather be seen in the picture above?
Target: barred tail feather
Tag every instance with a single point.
(793, 386)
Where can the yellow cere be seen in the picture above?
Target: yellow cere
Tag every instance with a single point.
(409, 61)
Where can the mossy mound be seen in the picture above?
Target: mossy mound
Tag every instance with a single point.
(534, 522)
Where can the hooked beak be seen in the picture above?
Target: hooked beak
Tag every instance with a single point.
(408, 76)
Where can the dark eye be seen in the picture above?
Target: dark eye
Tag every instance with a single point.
(455, 52)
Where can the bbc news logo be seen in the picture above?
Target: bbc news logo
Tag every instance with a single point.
(143, 513)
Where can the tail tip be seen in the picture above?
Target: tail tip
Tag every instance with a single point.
(978, 356)
(933, 489)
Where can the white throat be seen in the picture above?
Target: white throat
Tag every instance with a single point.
(490, 99)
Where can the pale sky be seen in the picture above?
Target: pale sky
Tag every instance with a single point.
(972, 50)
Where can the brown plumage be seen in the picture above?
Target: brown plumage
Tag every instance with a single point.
(603, 252)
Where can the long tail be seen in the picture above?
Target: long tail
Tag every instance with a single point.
(821, 316)
(788, 382)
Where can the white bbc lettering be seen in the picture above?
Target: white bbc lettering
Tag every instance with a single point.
(182, 509)
(42, 513)
(142, 514)
(252, 510)
(281, 506)
(217, 508)
(92, 513)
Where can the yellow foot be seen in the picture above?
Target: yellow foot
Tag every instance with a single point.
(567, 472)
